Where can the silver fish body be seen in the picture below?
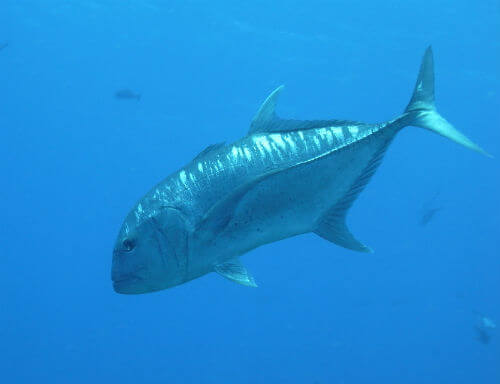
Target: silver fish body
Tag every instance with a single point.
(286, 177)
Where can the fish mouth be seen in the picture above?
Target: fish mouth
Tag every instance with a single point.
(129, 285)
(134, 286)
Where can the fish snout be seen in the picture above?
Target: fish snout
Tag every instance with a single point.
(126, 271)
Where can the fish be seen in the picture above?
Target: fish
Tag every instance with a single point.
(125, 94)
(428, 216)
(284, 178)
(429, 210)
(483, 336)
(484, 328)
(3, 45)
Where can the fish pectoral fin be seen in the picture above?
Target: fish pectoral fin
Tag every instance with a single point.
(333, 228)
(235, 271)
(218, 216)
(216, 219)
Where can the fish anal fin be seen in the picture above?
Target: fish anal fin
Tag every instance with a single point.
(334, 229)
(235, 271)
(331, 225)
(360, 183)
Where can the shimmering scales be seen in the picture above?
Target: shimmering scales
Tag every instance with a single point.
(139, 208)
(234, 152)
(261, 150)
(326, 134)
(248, 154)
(347, 134)
(183, 177)
(157, 194)
(278, 141)
(291, 143)
(275, 149)
(162, 194)
(353, 130)
(339, 134)
(322, 140)
(267, 146)
(263, 142)
(317, 142)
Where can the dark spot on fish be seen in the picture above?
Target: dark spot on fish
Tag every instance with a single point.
(3, 45)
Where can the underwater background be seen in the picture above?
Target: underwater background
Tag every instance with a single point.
(75, 157)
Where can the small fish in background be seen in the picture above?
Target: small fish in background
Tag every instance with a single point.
(3, 45)
(428, 215)
(127, 94)
(429, 210)
(484, 328)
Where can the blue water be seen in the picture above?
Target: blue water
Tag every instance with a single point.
(74, 159)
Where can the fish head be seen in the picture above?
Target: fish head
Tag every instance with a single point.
(150, 253)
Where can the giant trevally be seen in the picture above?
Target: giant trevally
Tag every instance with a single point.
(284, 178)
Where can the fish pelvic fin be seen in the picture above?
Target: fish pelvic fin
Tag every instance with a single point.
(235, 271)
(422, 112)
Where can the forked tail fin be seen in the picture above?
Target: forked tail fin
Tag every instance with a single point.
(421, 111)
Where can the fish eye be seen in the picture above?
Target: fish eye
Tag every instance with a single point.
(128, 245)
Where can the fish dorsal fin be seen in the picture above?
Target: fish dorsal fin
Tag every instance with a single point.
(235, 271)
(209, 149)
(332, 226)
(266, 115)
(266, 120)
